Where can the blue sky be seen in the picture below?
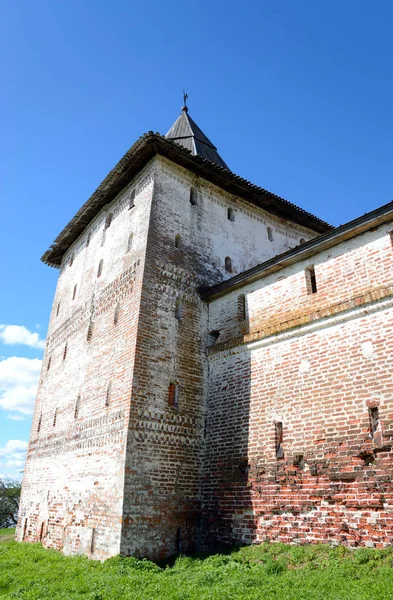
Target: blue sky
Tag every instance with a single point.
(296, 95)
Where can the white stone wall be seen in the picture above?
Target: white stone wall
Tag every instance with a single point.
(245, 240)
(73, 482)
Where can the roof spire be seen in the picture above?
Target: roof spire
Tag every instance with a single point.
(186, 133)
(185, 98)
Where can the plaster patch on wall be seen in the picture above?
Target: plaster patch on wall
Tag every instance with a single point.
(304, 366)
(367, 349)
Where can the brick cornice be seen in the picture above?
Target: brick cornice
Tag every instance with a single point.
(367, 298)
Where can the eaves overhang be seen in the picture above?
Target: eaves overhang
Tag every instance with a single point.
(349, 230)
(144, 149)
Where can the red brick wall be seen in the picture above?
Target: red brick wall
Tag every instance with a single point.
(316, 364)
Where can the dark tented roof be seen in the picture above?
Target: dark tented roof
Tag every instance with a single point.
(186, 132)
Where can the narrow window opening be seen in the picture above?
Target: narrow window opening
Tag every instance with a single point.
(212, 337)
(49, 362)
(117, 312)
(39, 423)
(108, 393)
(279, 437)
(311, 280)
(374, 420)
(173, 394)
(241, 307)
(108, 220)
(74, 292)
(58, 309)
(298, 461)
(178, 309)
(228, 264)
(244, 468)
(71, 260)
(55, 418)
(193, 196)
(24, 530)
(231, 214)
(130, 241)
(99, 272)
(177, 241)
(93, 540)
(90, 331)
(302, 241)
(131, 201)
(65, 351)
(42, 530)
(270, 234)
(77, 403)
(88, 240)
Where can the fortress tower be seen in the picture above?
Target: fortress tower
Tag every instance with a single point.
(117, 446)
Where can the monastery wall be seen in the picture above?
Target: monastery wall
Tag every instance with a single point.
(74, 477)
(116, 451)
(190, 236)
(300, 413)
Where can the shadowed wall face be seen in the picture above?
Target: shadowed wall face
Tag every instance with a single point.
(311, 433)
(190, 235)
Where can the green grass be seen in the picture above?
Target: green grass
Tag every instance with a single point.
(6, 535)
(270, 571)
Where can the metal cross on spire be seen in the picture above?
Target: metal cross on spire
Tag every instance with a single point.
(185, 98)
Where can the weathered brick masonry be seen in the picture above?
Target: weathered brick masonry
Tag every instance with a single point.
(186, 248)
(190, 397)
(319, 366)
(74, 477)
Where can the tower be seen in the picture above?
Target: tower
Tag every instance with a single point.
(115, 458)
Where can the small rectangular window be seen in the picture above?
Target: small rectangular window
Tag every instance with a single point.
(193, 196)
(108, 394)
(374, 420)
(93, 540)
(173, 395)
(311, 281)
(279, 437)
(178, 309)
(108, 221)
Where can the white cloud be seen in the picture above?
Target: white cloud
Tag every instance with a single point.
(12, 459)
(15, 417)
(18, 384)
(14, 335)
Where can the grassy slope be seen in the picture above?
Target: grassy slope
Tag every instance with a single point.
(6, 535)
(265, 572)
